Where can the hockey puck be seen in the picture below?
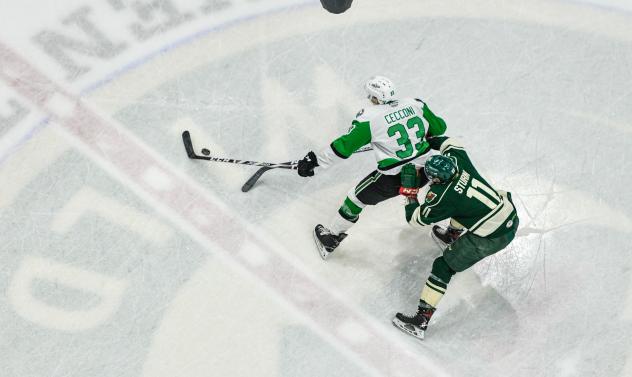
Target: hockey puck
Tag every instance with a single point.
(206, 152)
(336, 6)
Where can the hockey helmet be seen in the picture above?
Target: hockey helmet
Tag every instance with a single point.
(381, 88)
(440, 169)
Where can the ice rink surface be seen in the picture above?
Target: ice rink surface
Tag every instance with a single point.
(122, 257)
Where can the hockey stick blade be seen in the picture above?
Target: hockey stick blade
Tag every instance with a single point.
(188, 145)
(255, 177)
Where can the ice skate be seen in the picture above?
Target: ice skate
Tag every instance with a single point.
(326, 242)
(444, 236)
(415, 325)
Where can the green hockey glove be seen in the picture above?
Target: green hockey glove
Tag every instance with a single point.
(410, 181)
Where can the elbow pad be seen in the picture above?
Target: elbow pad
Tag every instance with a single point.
(327, 157)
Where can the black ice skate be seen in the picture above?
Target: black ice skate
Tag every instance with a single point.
(417, 324)
(445, 236)
(326, 242)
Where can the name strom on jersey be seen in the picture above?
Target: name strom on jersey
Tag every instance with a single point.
(396, 131)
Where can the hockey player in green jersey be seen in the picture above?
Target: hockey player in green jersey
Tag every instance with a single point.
(396, 129)
(457, 191)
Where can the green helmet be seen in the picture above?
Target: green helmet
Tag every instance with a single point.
(440, 168)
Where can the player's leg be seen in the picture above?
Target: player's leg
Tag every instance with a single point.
(469, 249)
(373, 189)
(431, 294)
(458, 256)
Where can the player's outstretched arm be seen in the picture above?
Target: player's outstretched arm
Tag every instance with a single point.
(340, 149)
(358, 136)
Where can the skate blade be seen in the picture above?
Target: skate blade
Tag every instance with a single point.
(321, 249)
(409, 329)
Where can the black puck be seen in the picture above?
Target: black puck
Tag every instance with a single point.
(206, 152)
(336, 6)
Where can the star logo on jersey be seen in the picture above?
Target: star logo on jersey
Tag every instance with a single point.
(430, 196)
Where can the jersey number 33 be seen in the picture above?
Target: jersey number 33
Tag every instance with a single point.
(401, 133)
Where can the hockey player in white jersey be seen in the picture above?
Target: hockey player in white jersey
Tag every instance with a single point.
(396, 129)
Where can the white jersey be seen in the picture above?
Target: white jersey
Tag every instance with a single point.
(398, 131)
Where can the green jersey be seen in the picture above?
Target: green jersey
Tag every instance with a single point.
(468, 198)
(397, 133)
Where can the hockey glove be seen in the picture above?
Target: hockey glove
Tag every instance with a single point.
(307, 164)
(410, 181)
(408, 192)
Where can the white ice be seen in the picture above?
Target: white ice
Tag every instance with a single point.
(123, 257)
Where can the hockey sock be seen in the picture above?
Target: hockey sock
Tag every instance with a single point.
(437, 283)
(339, 224)
(433, 291)
(349, 210)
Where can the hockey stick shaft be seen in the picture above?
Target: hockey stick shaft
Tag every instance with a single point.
(255, 177)
(188, 146)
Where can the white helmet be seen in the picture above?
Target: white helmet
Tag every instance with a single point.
(381, 88)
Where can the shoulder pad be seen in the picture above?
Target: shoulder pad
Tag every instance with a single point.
(449, 144)
(368, 113)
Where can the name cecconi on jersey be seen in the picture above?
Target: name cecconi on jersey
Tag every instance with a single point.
(399, 115)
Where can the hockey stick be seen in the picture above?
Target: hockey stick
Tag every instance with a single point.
(252, 180)
(255, 177)
(188, 146)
